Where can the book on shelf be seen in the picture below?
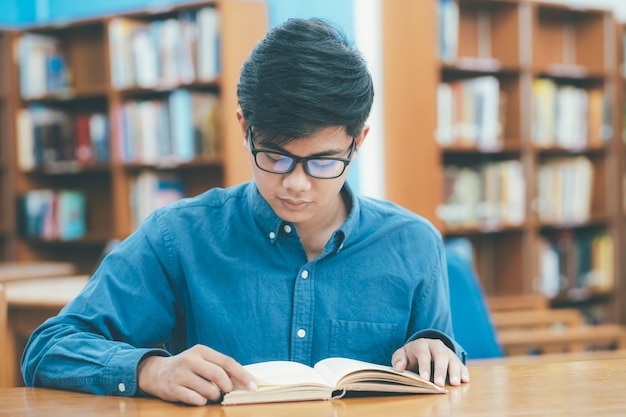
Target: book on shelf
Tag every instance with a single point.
(565, 190)
(463, 189)
(571, 127)
(594, 252)
(448, 14)
(177, 129)
(205, 119)
(569, 117)
(151, 190)
(490, 195)
(54, 215)
(51, 137)
(331, 378)
(470, 113)
(543, 111)
(600, 123)
(71, 215)
(42, 66)
(549, 274)
(574, 261)
(208, 44)
(165, 52)
(183, 140)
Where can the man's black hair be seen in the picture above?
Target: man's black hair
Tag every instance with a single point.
(302, 77)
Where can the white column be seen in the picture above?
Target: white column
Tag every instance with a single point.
(368, 37)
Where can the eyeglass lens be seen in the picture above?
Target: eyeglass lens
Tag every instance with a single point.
(281, 164)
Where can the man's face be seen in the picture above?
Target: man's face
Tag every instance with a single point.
(296, 196)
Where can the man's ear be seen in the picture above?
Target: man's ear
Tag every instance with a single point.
(243, 126)
(359, 139)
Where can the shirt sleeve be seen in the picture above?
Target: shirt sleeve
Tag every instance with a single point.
(431, 313)
(125, 311)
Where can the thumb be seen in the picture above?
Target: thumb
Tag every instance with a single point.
(399, 360)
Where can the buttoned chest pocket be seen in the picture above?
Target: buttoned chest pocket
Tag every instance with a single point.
(371, 342)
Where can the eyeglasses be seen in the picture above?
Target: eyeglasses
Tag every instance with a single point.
(282, 163)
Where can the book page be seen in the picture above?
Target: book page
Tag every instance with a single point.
(280, 381)
(284, 373)
(333, 369)
(351, 374)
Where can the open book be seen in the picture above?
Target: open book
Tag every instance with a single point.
(330, 378)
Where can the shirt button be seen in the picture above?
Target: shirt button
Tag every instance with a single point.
(304, 274)
(121, 387)
(287, 228)
(301, 333)
(272, 235)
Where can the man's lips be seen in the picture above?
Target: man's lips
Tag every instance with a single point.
(294, 203)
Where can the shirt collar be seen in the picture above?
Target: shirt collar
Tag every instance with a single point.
(271, 224)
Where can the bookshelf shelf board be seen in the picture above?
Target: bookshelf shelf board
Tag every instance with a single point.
(196, 163)
(140, 92)
(473, 67)
(452, 231)
(559, 151)
(62, 25)
(164, 11)
(88, 240)
(508, 147)
(595, 221)
(70, 168)
(570, 73)
(84, 94)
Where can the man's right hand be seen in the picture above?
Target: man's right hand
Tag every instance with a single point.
(196, 376)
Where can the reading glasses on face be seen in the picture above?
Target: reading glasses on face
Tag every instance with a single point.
(277, 162)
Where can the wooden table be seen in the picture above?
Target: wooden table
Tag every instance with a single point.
(30, 302)
(582, 384)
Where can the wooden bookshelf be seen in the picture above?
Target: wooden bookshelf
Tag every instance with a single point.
(512, 43)
(91, 89)
(7, 213)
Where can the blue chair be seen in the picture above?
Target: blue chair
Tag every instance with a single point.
(471, 320)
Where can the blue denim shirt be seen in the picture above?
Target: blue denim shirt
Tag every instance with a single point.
(223, 270)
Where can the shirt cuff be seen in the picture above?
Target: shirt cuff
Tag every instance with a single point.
(122, 370)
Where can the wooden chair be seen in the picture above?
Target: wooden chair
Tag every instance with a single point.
(533, 319)
(517, 302)
(522, 324)
(526, 324)
(574, 339)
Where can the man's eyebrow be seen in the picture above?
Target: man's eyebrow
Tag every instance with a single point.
(280, 149)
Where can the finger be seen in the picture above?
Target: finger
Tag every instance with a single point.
(223, 370)
(239, 375)
(189, 397)
(399, 360)
(424, 363)
(465, 375)
(454, 372)
(440, 368)
(206, 389)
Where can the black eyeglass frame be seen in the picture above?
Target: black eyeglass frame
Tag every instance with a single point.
(346, 161)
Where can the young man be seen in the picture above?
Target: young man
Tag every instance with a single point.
(291, 266)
